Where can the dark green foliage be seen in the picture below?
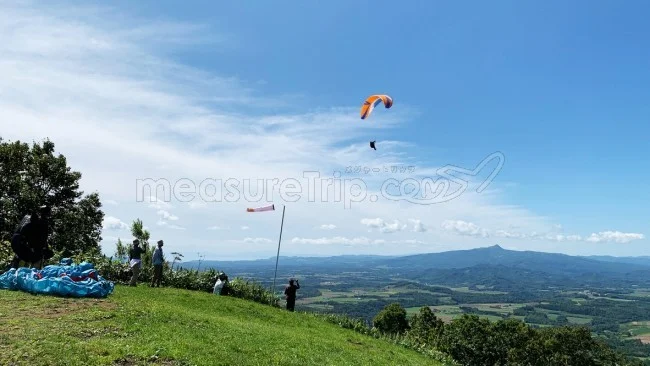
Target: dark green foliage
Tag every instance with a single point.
(391, 320)
(425, 327)
(252, 291)
(347, 322)
(32, 176)
(564, 346)
(631, 347)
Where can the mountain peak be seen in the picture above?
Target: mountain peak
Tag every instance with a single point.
(496, 247)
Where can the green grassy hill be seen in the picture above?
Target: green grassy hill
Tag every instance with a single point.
(141, 326)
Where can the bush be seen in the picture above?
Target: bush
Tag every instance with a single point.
(6, 254)
(244, 289)
(360, 326)
(391, 320)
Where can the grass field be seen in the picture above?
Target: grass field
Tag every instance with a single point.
(138, 326)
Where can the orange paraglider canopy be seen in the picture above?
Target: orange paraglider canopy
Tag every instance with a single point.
(372, 101)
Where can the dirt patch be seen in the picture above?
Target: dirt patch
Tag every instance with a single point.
(645, 339)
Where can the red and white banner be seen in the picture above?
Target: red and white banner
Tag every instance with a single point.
(261, 209)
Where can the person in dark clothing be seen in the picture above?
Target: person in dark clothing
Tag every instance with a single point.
(290, 294)
(225, 290)
(135, 261)
(157, 262)
(29, 241)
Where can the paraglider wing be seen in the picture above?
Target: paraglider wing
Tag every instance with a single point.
(372, 101)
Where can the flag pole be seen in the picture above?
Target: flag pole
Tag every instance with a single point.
(278, 255)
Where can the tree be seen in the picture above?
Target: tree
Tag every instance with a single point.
(121, 251)
(138, 231)
(33, 176)
(425, 326)
(567, 345)
(391, 320)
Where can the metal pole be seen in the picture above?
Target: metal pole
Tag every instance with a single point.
(278, 255)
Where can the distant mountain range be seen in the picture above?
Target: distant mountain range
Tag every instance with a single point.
(457, 259)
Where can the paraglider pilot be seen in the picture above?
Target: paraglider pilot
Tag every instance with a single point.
(372, 145)
(290, 294)
(29, 241)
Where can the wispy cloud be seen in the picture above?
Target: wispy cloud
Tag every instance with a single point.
(383, 226)
(101, 85)
(327, 227)
(165, 215)
(113, 223)
(337, 240)
(614, 236)
(464, 228)
(471, 229)
(418, 226)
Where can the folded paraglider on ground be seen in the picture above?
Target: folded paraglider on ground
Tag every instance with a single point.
(65, 279)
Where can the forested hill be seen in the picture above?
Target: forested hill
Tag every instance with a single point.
(488, 256)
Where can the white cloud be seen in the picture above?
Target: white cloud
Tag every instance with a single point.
(614, 236)
(418, 227)
(113, 223)
(383, 226)
(170, 226)
(110, 202)
(464, 228)
(100, 85)
(245, 228)
(327, 227)
(216, 227)
(333, 241)
(157, 203)
(257, 241)
(412, 241)
(165, 215)
(471, 229)
(197, 204)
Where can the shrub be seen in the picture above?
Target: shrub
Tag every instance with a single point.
(391, 320)
(252, 291)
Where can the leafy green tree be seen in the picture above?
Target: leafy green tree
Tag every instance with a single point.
(33, 176)
(425, 327)
(568, 345)
(392, 320)
(138, 231)
(468, 340)
(121, 251)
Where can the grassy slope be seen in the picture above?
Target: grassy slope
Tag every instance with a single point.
(134, 325)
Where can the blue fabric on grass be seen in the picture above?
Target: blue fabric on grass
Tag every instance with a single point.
(64, 280)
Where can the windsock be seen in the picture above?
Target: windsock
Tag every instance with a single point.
(261, 209)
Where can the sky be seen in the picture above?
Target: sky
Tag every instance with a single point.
(517, 123)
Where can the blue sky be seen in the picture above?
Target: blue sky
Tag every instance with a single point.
(259, 90)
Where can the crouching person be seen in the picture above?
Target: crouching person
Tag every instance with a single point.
(221, 287)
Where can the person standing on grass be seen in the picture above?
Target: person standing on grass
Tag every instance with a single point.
(157, 262)
(135, 261)
(290, 294)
